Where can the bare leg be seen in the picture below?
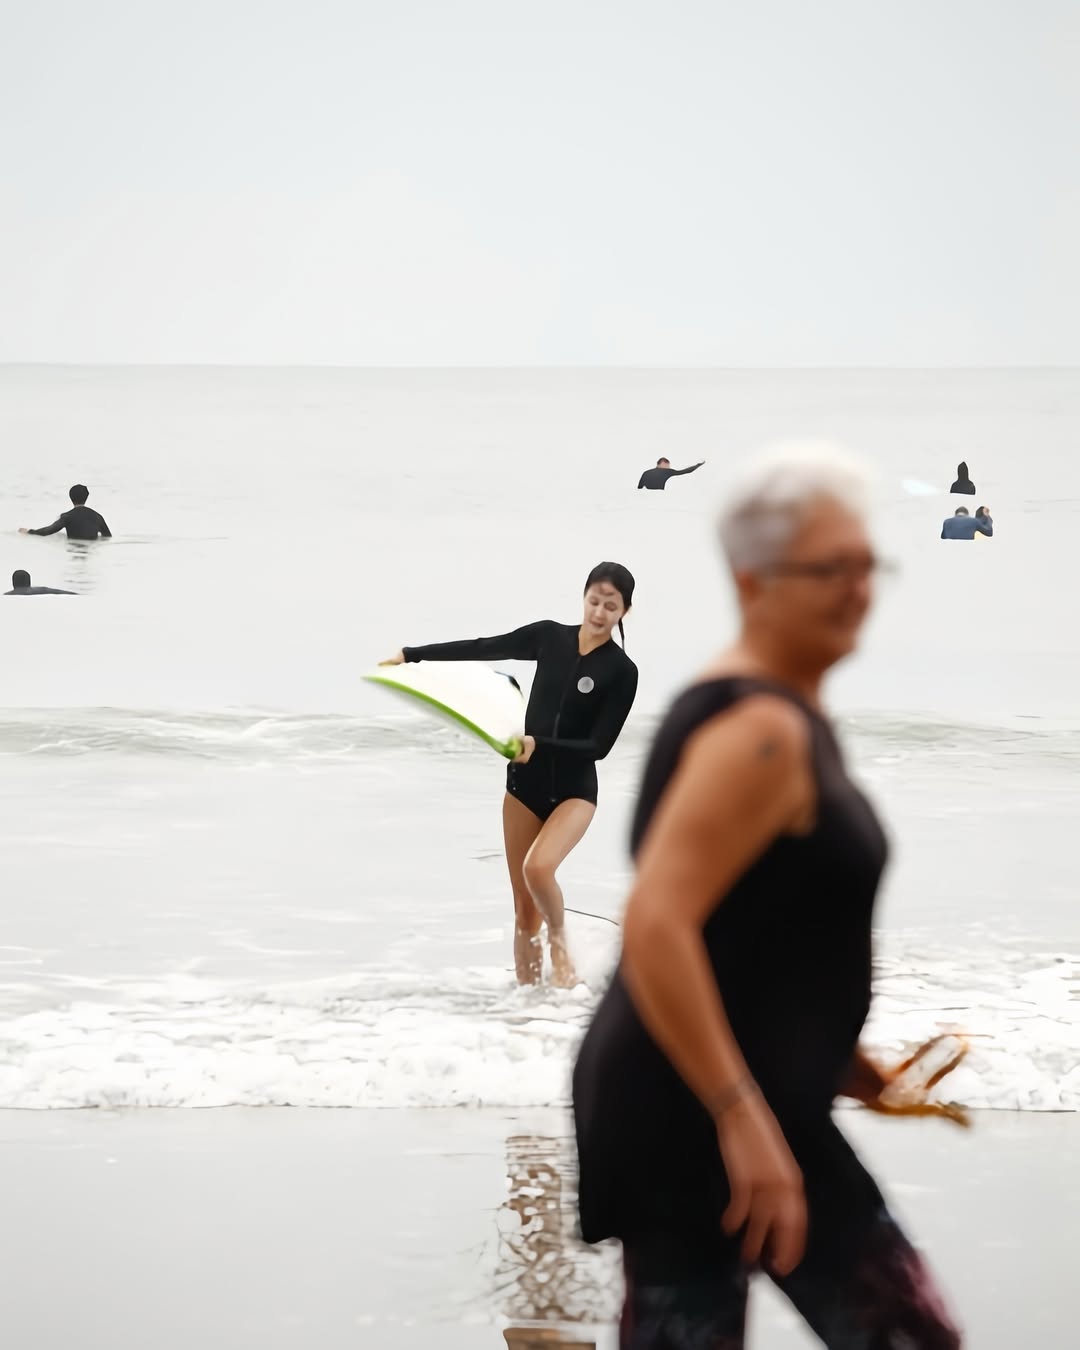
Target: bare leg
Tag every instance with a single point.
(561, 832)
(520, 828)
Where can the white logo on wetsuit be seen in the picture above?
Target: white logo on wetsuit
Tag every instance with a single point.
(585, 684)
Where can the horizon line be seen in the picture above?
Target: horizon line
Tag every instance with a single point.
(520, 367)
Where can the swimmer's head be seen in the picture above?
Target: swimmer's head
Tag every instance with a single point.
(962, 471)
(982, 511)
(20, 579)
(79, 494)
(961, 511)
(663, 463)
(794, 533)
(609, 593)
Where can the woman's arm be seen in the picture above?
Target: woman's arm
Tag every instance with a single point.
(523, 644)
(613, 714)
(743, 780)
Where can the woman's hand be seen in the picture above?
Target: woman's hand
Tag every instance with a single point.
(766, 1185)
(398, 659)
(866, 1079)
(528, 745)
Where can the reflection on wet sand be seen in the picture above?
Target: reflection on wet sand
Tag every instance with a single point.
(545, 1275)
(543, 1338)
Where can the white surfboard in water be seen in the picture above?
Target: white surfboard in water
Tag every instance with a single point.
(470, 694)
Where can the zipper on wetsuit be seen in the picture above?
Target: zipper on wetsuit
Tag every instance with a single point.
(558, 715)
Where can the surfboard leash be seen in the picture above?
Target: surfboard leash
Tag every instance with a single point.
(586, 915)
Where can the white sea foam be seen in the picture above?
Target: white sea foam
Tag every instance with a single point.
(470, 1037)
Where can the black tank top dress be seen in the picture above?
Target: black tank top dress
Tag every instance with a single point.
(790, 946)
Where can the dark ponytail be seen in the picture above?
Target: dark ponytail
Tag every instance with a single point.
(615, 574)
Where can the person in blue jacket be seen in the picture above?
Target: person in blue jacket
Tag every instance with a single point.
(961, 525)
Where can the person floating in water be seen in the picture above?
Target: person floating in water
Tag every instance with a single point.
(21, 582)
(657, 478)
(963, 482)
(961, 525)
(581, 695)
(81, 522)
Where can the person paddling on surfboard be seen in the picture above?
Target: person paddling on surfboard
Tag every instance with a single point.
(581, 696)
(20, 582)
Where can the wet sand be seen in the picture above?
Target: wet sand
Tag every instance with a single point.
(440, 1229)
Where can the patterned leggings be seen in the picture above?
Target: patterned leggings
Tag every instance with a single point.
(886, 1301)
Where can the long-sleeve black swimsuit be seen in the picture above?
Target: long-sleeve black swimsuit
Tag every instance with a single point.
(576, 710)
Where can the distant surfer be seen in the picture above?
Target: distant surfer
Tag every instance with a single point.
(961, 525)
(20, 580)
(81, 522)
(656, 479)
(963, 482)
(582, 693)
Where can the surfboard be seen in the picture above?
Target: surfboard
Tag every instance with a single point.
(469, 694)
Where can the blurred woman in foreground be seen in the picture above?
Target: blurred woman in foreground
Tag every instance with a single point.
(704, 1087)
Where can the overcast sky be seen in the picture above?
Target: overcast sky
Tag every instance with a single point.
(451, 182)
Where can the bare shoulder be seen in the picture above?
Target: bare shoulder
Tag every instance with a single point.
(764, 728)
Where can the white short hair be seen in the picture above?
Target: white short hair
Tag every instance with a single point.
(772, 494)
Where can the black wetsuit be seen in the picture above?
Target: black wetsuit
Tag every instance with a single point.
(576, 709)
(81, 522)
(38, 590)
(656, 478)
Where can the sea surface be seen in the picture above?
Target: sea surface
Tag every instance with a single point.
(234, 874)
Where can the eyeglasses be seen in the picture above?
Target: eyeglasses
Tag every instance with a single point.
(834, 569)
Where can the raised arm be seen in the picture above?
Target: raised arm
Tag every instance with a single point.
(523, 644)
(679, 472)
(616, 709)
(743, 780)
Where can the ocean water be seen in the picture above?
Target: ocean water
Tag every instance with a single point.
(234, 874)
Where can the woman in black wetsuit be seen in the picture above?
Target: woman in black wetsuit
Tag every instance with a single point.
(704, 1086)
(582, 693)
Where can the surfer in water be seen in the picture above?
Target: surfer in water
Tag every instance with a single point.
(962, 525)
(581, 696)
(703, 1088)
(656, 479)
(20, 580)
(81, 522)
(963, 482)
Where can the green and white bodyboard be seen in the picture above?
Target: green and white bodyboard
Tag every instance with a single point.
(468, 694)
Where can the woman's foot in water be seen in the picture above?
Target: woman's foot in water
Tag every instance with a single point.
(563, 974)
(528, 956)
